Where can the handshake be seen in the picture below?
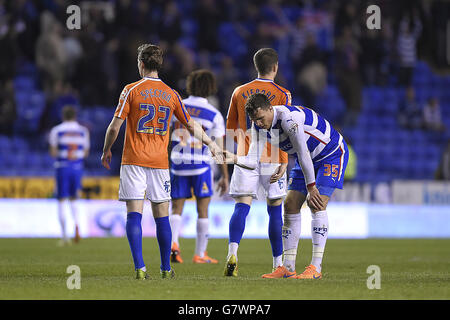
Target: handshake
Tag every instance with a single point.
(221, 156)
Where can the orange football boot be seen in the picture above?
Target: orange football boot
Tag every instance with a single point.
(309, 273)
(204, 259)
(279, 272)
(77, 237)
(175, 254)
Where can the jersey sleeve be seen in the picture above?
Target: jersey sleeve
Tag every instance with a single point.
(53, 138)
(232, 115)
(87, 139)
(219, 126)
(180, 110)
(123, 107)
(293, 126)
(257, 144)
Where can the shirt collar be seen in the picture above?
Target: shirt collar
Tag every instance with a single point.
(200, 99)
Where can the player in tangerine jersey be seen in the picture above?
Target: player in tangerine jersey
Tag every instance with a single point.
(271, 171)
(148, 106)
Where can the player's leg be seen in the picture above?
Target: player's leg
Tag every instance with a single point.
(175, 225)
(132, 191)
(179, 192)
(275, 193)
(62, 194)
(75, 189)
(133, 230)
(158, 192)
(203, 190)
(243, 187)
(163, 235)
(201, 244)
(330, 175)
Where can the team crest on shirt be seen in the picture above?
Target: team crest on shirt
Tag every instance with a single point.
(293, 127)
(123, 94)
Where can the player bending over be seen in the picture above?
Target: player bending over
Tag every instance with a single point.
(148, 106)
(270, 172)
(69, 144)
(191, 163)
(322, 157)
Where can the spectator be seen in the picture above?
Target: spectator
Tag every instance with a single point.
(50, 54)
(312, 73)
(8, 49)
(407, 50)
(372, 46)
(170, 26)
(208, 17)
(7, 108)
(348, 76)
(432, 117)
(409, 113)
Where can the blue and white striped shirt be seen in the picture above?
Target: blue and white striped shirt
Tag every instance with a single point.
(72, 141)
(190, 156)
(300, 131)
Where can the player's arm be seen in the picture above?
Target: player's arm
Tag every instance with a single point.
(250, 161)
(52, 140)
(295, 130)
(87, 145)
(110, 137)
(197, 131)
(223, 183)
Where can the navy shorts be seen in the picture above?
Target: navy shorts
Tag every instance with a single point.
(329, 173)
(68, 182)
(182, 186)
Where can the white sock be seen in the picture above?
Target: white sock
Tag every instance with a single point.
(277, 261)
(74, 208)
(202, 236)
(175, 222)
(62, 218)
(232, 249)
(291, 234)
(319, 232)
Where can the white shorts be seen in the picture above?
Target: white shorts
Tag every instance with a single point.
(138, 183)
(246, 182)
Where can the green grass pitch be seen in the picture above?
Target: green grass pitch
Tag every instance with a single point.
(410, 269)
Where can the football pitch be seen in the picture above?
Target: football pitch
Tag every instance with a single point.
(409, 269)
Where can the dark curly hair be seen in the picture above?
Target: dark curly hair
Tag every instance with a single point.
(201, 83)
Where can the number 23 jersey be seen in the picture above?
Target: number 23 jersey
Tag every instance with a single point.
(148, 106)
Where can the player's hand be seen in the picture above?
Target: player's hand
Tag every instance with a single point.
(222, 186)
(278, 173)
(216, 152)
(313, 199)
(106, 159)
(229, 157)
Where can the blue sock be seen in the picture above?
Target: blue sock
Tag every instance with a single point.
(237, 222)
(164, 236)
(275, 225)
(134, 235)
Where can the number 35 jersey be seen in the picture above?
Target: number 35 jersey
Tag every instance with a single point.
(148, 106)
(189, 156)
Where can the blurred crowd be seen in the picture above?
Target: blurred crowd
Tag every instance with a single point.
(319, 42)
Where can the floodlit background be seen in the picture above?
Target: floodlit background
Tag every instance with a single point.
(386, 90)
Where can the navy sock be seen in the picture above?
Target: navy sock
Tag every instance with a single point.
(134, 235)
(237, 222)
(275, 225)
(164, 236)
